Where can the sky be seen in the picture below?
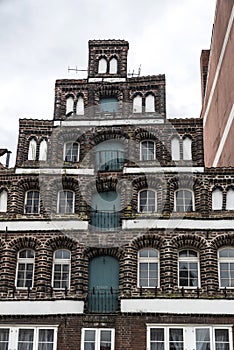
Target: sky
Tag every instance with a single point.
(40, 39)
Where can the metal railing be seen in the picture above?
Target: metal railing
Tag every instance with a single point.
(109, 160)
(105, 220)
(103, 300)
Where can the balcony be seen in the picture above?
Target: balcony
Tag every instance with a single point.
(105, 220)
(108, 160)
(103, 300)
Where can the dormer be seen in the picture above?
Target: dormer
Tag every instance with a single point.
(107, 60)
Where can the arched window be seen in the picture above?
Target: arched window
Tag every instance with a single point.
(150, 103)
(80, 106)
(32, 150)
(148, 268)
(217, 199)
(226, 267)
(66, 202)
(32, 202)
(113, 66)
(3, 201)
(188, 268)
(69, 104)
(25, 268)
(147, 151)
(61, 269)
(102, 66)
(71, 152)
(109, 155)
(187, 148)
(175, 149)
(43, 150)
(184, 201)
(137, 104)
(230, 199)
(147, 201)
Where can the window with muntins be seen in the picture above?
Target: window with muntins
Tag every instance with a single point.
(184, 201)
(147, 201)
(32, 202)
(147, 150)
(97, 339)
(71, 152)
(182, 337)
(61, 269)
(66, 202)
(188, 268)
(25, 268)
(226, 267)
(28, 338)
(148, 268)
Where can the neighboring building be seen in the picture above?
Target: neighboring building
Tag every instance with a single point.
(113, 233)
(217, 75)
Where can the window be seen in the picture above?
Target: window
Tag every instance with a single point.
(149, 103)
(102, 66)
(28, 338)
(108, 104)
(175, 149)
(148, 268)
(137, 104)
(3, 201)
(61, 269)
(98, 339)
(66, 202)
(184, 201)
(230, 199)
(187, 148)
(43, 150)
(226, 267)
(181, 337)
(113, 66)
(147, 150)
(32, 202)
(71, 152)
(147, 201)
(80, 106)
(69, 104)
(109, 156)
(25, 268)
(188, 268)
(217, 199)
(32, 150)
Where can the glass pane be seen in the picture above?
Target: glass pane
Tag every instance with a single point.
(176, 334)
(157, 334)
(90, 335)
(221, 335)
(46, 335)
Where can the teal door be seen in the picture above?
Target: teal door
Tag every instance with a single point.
(103, 284)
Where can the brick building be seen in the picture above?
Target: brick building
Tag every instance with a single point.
(113, 233)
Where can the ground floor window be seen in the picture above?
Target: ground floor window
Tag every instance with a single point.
(28, 338)
(97, 339)
(192, 337)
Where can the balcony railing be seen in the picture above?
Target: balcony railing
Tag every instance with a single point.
(105, 220)
(103, 300)
(109, 160)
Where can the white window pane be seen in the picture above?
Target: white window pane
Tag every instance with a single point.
(80, 106)
(3, 201)
(230, 199)
(43, 150)
(69, 104)
(113, 66)
(217, 199)
(149, 103)
(32, 150)
(102, 65)
(137, 104)
(187, 148)
(175, 149)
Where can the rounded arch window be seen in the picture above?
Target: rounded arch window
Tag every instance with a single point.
(188, 268)
(102, 66)
(226, 267)
(25, 268)
(113, 66)
(184, 200)
(61, 269)
(148, 268)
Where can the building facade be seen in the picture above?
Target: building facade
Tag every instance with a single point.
(114, 235)
(217, 77)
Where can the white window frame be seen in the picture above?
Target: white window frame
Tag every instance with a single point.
(32, 149)
(33, 199)
(43, 149)
(102, 65)
(147, 148)
(3, 200)
(137, 104)
(65, 151)
(139, 201)
(189, 334)
(62, 262)
(80, 105)
(97, 337)
(150, 103)
(175, 202)
(113, 65)
(24, 261)
(73, 203)
(228, 260)
(69, 104)
(175, 149)
(189, 260)
(14, 334)
(230, 193)
(187, 148)
(148, 260)
(217, 197)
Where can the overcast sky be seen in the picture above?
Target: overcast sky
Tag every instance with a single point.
(39, 39)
